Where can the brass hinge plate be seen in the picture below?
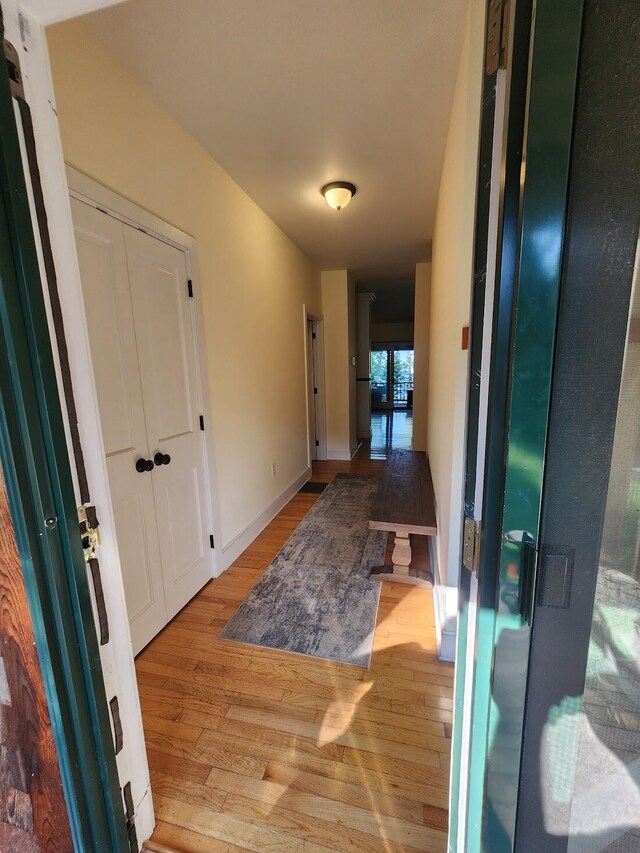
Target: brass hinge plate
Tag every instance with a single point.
(471, 544)
(497, 33)
(88, 531)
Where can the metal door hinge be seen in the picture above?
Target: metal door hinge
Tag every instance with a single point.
(471, 544)
(89, 524)
(101, 606)
(315, 390)
(118, 738)
(202, 422)
(497, 35)
(13, 70)
(190, 288)
(129, 813)
(317, 443)
(211, 541)
(313, 335)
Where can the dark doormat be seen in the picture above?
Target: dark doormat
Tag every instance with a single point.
(313, 488)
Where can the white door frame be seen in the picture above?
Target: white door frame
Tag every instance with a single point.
(485, 370)
(317, 322)
(90, 192)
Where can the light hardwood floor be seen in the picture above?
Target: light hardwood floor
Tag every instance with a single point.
(254, 749)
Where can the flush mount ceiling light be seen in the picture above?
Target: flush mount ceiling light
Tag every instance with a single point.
(338, 194)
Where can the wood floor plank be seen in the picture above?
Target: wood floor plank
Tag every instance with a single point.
(323, 701)
(396, 767)
(172, 728)
(226, 827)
(204, 684)
(393, 805)
(258, 749)
(350, 714)
(387, 739)
(313, 830)
(181, 701)
(161, 760)
(170, 838)
(199, 757)
(402, 834)
(225, 729)
(363, 777)
(186, 791)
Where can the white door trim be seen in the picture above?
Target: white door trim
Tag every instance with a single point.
(320, 401)
(90, 192)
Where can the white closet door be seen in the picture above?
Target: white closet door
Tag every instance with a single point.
(167, 357)
(105, 283)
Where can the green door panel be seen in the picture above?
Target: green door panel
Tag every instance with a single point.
(33, 451)
(502, 635)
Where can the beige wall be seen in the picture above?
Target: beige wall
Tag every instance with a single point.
(254, 280)
(422, 308)
(451, 277)
(338, 310)
(389, 333)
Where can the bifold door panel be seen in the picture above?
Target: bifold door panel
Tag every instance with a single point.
(144, 361)
(105, 281)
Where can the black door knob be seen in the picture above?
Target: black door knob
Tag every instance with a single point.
(162, 458)
(143, 465)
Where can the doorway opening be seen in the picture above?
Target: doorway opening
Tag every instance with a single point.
(392, 369)
(388, 366)
(314, 362)
(207, 727)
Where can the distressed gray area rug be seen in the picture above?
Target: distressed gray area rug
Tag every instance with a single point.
(316, 597)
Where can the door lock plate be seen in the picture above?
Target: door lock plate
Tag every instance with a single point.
(471, 544)
(88, 531)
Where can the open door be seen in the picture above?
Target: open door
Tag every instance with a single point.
(36, 467)
(525, 141)
(580, 780)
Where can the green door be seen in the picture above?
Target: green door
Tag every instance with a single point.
(506, 441)
(35, 462)
(579, 786)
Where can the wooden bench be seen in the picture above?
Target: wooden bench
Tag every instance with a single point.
(404, 505)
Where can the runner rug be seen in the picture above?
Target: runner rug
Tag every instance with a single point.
(316, 598)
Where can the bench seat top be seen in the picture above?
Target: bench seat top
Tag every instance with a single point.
(405, 502)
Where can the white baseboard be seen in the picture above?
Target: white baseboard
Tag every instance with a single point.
(342, 455)
(447, 647)
(445, 637)
(239, 543)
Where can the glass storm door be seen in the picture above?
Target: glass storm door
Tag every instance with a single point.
(526, 131)
(392, 377)
(380, 397)
(580, 782)
(402, 377)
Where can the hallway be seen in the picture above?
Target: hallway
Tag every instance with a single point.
(267, 751)
(389, 431)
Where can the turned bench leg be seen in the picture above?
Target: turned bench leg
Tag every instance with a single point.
(401, 557)
(399, 571)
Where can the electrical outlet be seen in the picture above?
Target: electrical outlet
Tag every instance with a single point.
(273, 469)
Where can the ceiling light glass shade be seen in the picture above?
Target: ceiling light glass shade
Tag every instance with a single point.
(338, 194)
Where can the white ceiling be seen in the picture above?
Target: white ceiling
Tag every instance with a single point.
(289, 94)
